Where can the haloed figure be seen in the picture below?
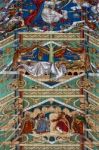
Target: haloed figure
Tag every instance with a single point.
(62, 124)
(27, 124)
(78, 124)
(42, 125)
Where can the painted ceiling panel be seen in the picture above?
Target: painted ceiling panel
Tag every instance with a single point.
(49, 75)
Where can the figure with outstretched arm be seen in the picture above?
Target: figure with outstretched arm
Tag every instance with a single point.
(34, 13)
(62, 124)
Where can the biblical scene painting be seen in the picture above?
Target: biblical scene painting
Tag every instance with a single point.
(49, 75)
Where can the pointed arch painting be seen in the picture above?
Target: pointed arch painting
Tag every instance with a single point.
(49, 75)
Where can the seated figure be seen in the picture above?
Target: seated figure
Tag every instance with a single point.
(42, 124)
(61, 123)
(27, 124)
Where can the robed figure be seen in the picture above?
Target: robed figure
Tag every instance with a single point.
(62, 124)
(42, 124)
(78, 124)
(27, 124)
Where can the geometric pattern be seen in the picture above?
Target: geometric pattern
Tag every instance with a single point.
(49, 75)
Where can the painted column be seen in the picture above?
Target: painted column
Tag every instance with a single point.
(21, 98)
(16, 112)
(82, 135)
(20, 39)
(51, 55)
(82, 90)
(82, 35)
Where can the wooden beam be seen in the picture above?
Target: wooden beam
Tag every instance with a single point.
(50, 145)
(48, 90)
(49, 36)
(56, 96)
